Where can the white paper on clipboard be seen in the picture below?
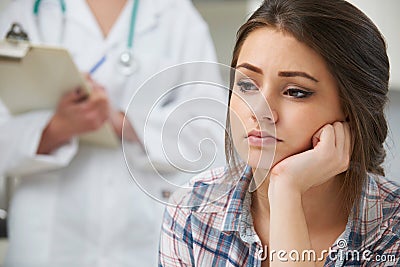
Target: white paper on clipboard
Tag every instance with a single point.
(34, 77)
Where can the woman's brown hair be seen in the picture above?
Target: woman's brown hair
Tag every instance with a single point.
(355, 53)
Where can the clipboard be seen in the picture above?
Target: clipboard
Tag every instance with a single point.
(34, 77)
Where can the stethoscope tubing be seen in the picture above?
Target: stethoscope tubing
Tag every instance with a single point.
(128, 53)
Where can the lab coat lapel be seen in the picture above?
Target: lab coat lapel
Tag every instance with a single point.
(147, 15)
(147, 18)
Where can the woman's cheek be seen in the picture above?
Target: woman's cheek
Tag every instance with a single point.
(300, 137)
(239, 115)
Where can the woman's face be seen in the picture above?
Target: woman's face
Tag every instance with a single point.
(283, 94)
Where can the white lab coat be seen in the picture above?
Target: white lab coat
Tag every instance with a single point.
(80, 206)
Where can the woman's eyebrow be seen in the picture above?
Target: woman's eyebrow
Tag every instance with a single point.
(250, 67)
(295, 74)
(281, 73)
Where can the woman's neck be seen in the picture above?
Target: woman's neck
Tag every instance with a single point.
(322, 205)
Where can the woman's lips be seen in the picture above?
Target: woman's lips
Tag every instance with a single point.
(261, 138)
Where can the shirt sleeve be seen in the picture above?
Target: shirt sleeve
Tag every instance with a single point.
(19, 140)
(387, 251)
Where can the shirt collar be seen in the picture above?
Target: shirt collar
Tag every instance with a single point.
(235, 206)
(362, 229)
(148, 14)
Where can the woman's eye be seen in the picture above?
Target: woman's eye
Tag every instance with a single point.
(297, 93)
(246, 86)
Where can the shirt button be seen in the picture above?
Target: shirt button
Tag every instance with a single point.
(166, 193)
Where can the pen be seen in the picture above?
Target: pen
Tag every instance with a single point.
(97, 65)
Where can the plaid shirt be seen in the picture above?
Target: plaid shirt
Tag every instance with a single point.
(211, 225)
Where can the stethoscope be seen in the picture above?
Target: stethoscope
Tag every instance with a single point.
(127, 62)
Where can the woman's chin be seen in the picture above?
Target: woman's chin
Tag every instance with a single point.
(264, 162)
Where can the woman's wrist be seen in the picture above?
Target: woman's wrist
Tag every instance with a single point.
(283, 189)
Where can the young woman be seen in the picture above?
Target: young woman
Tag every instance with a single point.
(309, 85)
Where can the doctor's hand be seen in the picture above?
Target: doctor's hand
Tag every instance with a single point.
(76, 114)
(329, 157)
(116, 117)
(122, 125)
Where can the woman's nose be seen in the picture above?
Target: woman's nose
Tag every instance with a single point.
(263, 111)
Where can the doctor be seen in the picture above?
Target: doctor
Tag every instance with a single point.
(77, 204)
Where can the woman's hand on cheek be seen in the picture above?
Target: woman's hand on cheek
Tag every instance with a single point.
(329, 156)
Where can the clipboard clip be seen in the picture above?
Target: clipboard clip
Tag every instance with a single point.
(16, 44)
(17, 33)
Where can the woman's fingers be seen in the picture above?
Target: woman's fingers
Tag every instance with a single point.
(326, 137)
(316, 138)
(339, 135)
(348, 150)
(347, 146)
(342, 146)
(334, 141)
